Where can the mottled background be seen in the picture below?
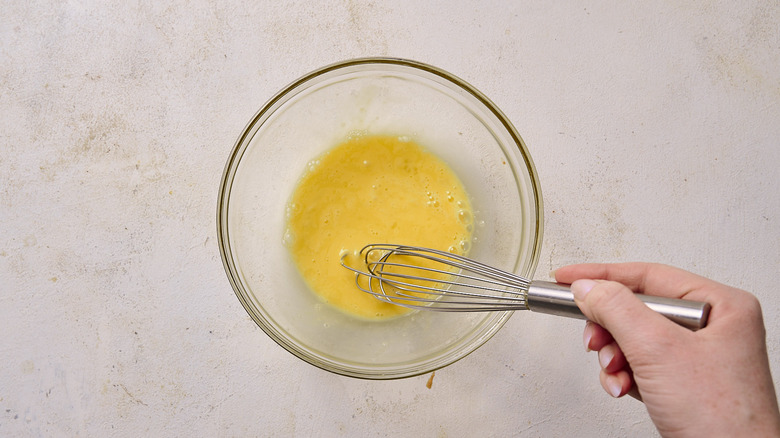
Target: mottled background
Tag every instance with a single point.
(654, 127)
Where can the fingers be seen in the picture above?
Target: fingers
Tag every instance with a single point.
(663, 280)
(615, 308)
(594, 337)
(616, 384)
(617, 317)
(654, 279)
(615, 373)
(611, 358)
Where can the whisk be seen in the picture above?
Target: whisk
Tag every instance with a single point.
(434, 280)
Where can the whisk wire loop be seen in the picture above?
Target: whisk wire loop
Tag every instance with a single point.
(446, 258)
(453, 283)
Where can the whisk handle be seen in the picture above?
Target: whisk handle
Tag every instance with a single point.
(557, 299)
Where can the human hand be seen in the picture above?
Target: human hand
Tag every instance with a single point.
(712, 382)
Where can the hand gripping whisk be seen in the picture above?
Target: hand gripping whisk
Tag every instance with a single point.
(429, 279)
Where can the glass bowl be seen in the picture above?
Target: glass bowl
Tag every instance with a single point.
(382, 96)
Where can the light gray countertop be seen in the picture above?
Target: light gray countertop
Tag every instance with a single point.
(654, 127)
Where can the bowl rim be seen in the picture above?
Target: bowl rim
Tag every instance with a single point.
(239, 147)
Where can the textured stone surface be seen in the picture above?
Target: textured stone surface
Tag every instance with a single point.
(653, 126)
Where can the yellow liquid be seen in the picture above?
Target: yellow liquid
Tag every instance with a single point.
(372, 189)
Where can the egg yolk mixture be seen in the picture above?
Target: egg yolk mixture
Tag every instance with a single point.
(372, 189)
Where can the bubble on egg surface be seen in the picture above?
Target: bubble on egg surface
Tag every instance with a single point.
(288, 238)
(464, 216)
(290, 209)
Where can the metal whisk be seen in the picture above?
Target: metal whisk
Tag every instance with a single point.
(429, 279)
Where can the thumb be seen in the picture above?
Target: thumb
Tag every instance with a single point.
(616, 308)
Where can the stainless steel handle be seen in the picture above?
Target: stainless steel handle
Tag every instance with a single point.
(557, 299)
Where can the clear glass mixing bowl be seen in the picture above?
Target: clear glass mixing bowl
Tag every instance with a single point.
(382, 96)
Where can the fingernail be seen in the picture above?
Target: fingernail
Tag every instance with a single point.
(605, 356)
(586, 335)
(580, 288)
(614, 386)
(552, 274)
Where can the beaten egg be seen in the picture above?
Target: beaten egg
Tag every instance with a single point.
(372, 189)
